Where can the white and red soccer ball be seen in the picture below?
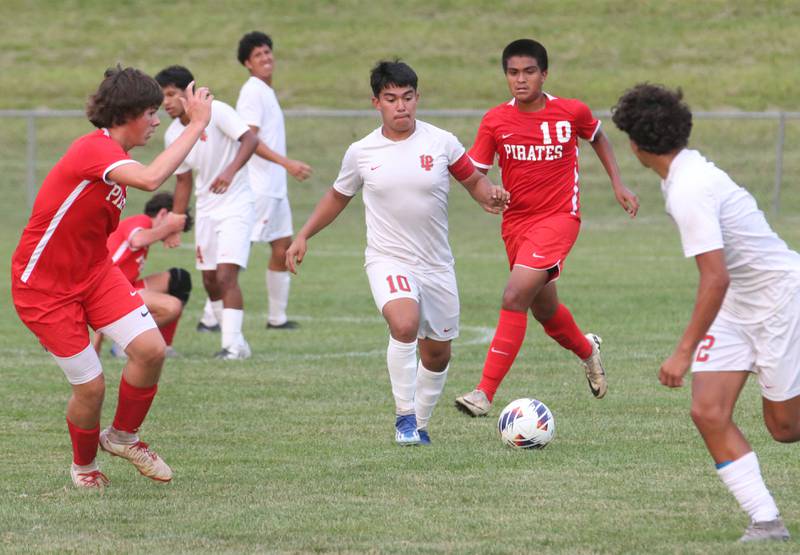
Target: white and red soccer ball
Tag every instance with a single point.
(526, 424)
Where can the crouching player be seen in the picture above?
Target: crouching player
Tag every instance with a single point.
(62, 277)
(165, 293)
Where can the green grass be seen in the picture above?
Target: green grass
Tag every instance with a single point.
(292, 451)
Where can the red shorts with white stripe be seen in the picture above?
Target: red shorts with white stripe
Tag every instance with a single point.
(60, 322)
(545, 244)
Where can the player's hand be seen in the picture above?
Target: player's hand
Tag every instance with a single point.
(197, 104)
(299, 170)
(176, 222)
(173, 241)
(627, 199)
(674, 369)
(295, 254)
(496, 200)
(221, 183)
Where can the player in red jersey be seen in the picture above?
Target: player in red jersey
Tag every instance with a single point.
(535, 137)
(164, 293)
(63, 280)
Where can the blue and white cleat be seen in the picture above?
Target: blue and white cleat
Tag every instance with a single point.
(406, 430)
(424, 438)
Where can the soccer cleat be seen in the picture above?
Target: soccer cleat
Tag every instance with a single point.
(88, 479)
(593, 365)
(146, 461)
(406, 430)
(287, 325)
(204, 328)
(240, 352)
(424, 438)
(474, 403)
(766, 530)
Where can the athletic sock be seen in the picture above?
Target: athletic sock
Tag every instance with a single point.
(168, 331)
(508, 338)
(401, 359)
(216, 310)
(232, 319)
(278, 284)
(134, 403)
(209, 317)
(565, 331)
(84, 444)
(743, 479)
(428, 390)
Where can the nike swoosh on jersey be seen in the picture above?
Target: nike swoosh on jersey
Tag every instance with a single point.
(492, 349)
(505, 135)
(373, 168)
(537, 256)
(133, 293)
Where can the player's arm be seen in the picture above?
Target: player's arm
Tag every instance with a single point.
(151, 177)
(605, 152)
(247, 146)
(711, 289)
(297, 169)
(172, 224)
(327, 209)
(492, 198)
(180, 204)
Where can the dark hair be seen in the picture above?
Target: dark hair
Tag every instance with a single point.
(396, 73)
(164, 200)
(177, 76)
(654, 117)
(251, 41)
(123, 95)
(525, 47)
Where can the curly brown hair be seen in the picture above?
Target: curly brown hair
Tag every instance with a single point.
(654, 117)
(123, 95)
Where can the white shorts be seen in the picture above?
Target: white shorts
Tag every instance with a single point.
(223, 240)
(435, 292)
(273, 219)
(769, 348)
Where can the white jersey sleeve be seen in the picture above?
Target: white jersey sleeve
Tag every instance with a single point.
(453, 148)
(173, 132)
(696, 211)
(229, 122)
(349, 181)
(250, 106)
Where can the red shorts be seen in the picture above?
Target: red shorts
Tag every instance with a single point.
(60, 322)
(544, 245)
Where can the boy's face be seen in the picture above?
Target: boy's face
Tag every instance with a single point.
(143, 126)
(525, 79)
(398, 107)
(261, 62)
(172, 101)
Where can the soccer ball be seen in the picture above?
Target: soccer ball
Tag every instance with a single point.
(526, 424)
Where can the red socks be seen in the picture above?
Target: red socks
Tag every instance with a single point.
(565, 331)
(134, 402)
(507, 340)
(84, 443)
(168, 331)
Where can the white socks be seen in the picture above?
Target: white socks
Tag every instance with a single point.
(743, 478)
(118, 436)
(278, 294)
(429, 388)
(232, 327)
(209, 318)
(216, 310)
(401, 359)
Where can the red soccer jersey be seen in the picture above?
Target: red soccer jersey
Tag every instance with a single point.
(76, 209)
(129, 260)
(538, 157)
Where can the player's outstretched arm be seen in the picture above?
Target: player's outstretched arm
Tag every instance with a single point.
(297, 169)
(714, 280)
(492, 198)
(605, 152)
(172, 223)
(327, 209)
(150, 177)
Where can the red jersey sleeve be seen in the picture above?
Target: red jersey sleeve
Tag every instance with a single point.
(462, 168)
(585, 122)
(97, 157)
(484, 148)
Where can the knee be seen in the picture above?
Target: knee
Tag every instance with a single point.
(515, 299)
(174, 307)
(707, 417)
(405, 331)
(209, 281)
(91, 394)
(227, 280)
(784, 431)
(543, 313)
(150, 354)
(435, 362)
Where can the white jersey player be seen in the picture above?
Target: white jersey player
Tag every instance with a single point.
(747, 313)
(224, 204)
(404, 170)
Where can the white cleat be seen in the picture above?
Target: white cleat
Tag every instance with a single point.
(765, 531)
(147, 462)
(239, 352)
(88, 479)
(595, 374)
(474, 403)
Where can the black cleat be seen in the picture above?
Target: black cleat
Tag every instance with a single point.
(203, 328)
(287, 325)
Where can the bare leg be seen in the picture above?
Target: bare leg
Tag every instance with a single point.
(783, 419)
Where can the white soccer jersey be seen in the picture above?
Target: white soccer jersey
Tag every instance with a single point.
(258, 106)
(712, 212)
(406, 184)
(214, 151)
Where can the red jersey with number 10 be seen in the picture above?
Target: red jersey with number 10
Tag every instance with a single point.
(538, 157)
(77, 208)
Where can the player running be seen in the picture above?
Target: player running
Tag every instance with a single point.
(404, 169)
(535, 137)
(746, 316)
(164, 293)
(62, 278)
(224, 203)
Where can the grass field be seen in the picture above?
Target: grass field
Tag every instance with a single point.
(292, 451)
